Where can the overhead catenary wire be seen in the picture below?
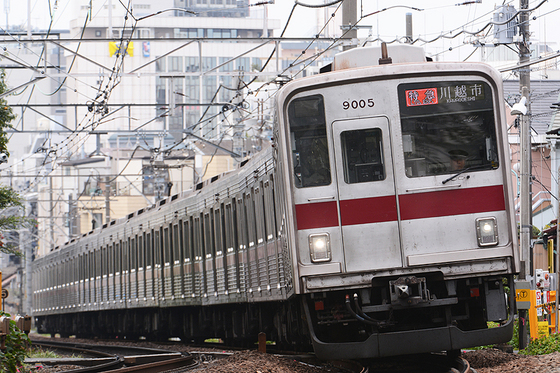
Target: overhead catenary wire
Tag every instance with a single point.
(201, 121)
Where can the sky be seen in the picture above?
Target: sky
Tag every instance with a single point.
(430, 20)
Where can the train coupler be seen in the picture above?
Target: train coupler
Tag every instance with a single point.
(409, 291)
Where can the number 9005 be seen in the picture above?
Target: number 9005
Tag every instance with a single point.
(358, 104)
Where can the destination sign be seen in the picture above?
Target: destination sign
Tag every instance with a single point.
(444, 95)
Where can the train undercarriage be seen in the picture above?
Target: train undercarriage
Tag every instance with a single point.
(406, 315)
(233, 324)
(400, 315)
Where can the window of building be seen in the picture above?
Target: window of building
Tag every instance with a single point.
(175, 63)
(160, 65)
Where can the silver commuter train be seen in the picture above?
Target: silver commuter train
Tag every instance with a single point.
(380, 223)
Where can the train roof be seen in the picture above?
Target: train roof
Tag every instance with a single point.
(380, 55)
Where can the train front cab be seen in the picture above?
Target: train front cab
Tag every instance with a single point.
(398, 250)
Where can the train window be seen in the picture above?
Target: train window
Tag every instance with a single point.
(241, 224)
(149, 251)
(111, 251)
(218, 233)
(157, 248)
(93, 264)
(250, 215)
(125, 257)
(166, 247)
(259, 213)
(447, 127)
(176, 245)
(80, 267)
(98, 263)
(362, 154)
(133, 255)
(208, 239)
(187, 236)
(197, 240)
(104, 261)
(141, 240)
(269, 209)
(308, 135)
(228, 222)
(117, 258)
(87, 266)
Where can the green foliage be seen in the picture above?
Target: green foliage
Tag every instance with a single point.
(6, 115)
(515, 339)
(16, 348)
(535, 231)
(39, 353)
(543, 345)
(9, 198)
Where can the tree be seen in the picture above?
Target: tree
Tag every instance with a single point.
(9, 199)
(6, 115)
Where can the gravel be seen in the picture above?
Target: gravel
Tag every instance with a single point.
(256, 362)
(496, 361)
(250, 361)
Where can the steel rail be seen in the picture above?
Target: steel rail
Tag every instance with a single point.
(123, 358)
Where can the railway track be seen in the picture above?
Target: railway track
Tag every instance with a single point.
(119, 358)
(124, 359)
(113, 358)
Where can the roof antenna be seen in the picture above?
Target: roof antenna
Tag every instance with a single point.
(385, 59)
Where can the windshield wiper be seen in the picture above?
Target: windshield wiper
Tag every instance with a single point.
(466, 170)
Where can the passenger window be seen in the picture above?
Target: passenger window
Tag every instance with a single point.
(125, 258)
(308, 137)
(362, 154)
(208, 239)
(141, 240)
(218, 231)
(197, 239)
(133, 254)
(149, 250)
(166, 247)
(157, 248)
(176, 240)
(229, 224)
(187, 237)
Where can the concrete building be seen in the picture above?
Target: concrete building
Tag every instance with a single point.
(138, 87)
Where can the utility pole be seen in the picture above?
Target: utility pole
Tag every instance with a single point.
(526, 228)
(107, 199)
(28, 251)
(51, 213)
(238, 124)
(349, 19)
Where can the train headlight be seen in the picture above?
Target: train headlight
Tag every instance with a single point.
(487, 231)
(320, 247)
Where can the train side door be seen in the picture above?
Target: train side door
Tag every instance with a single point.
(366, 194)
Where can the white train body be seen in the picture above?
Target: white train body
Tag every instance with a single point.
(379, 224)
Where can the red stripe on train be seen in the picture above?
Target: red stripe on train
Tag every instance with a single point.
(317, 215)
(452, 202)
(412, 206)
(368, 210)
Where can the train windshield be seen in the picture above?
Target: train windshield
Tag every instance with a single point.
(308, 138)
(447, 127)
